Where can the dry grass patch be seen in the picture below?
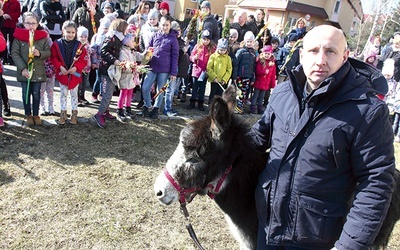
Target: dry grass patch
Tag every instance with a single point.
(80, 187)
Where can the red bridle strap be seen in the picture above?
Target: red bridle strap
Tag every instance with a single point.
(213, 191)
(182, 191)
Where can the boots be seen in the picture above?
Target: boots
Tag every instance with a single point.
(145, 112)
(200, 105)
(121, 115)
(36, 120)
(253, 109)
(7, 111)
(29, 120)
(191, 104)
(154, 113)
(261, 109)
(128, 113)
(63, 117)
(183, 97)
(74, 117)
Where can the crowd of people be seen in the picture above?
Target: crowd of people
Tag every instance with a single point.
(180, 63)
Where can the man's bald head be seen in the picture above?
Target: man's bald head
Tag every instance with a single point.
(323, 54)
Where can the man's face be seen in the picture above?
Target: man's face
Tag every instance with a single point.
(324, 52)
(205, 10)
(242, 18)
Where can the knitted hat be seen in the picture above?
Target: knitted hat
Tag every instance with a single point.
(153, 14)
(248, 36)
(206, 34)
(206, 4)
(164, 5)
(267, 49)
(82, 31)
(222, 43)
(233, 32)
(128, 37)
(388, 67)
(370, 54)
(108, 5)
(175, 25)
(293, 38)
(104, 23)
(111, 16)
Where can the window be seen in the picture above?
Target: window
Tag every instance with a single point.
(337, 6)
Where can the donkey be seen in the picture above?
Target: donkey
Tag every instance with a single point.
(215, 157)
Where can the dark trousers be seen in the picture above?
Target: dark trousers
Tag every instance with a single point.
(3, 90)
(7, 32)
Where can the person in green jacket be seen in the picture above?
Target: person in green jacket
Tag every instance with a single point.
(29, 51)
(219, 69)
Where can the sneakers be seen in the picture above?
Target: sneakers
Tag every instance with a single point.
(109, 116)
(100, 120)
(154, 113)
(1, 122)
(170, 113)
(128, 113)
(121, 115)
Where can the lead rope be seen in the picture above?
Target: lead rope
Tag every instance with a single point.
(189, 226)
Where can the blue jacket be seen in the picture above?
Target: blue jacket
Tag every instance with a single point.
(325, 149)
(166, 52)
(246, 63)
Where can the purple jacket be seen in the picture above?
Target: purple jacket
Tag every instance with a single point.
(166, 52)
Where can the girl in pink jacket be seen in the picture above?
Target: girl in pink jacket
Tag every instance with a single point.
(265, 79)
(199, 57)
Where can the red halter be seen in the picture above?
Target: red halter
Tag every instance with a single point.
(212, 191)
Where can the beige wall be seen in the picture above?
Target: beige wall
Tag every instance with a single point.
(217, 7)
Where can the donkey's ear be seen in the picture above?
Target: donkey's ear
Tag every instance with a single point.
(229, 96)
(220, 114)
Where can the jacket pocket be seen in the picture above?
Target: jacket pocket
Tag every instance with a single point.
(262, 194)
(317, 221)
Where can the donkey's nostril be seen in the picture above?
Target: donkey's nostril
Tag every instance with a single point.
(159, 193)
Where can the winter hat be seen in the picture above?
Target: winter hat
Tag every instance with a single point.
(128, 37)
(153, 14)
(206, 34)
(293, 38)
(164, 5)
(104, 23)
(82, 31)
(175, 25)
(222, 43)
(108, 5)
(267, 49)
(111, 16)
(388, 67)
(206, 4)
(370, 54)
(131, 27)
(233, 32)
(248, 36)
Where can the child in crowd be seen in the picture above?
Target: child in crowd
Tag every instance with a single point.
(246, 58)
(82, 35)
(183, 66)
(199, 57)
(149, 29)
(110, 52)
(48, 88)
(68, 57)
(393, 95)
(95, 46)
(265, 79)
(3, 46)
(233, 48)
(129, 77)
(30, 75)
(173, 85)
(370, 58)
(219, 69)
(284, 63)
(163, 64)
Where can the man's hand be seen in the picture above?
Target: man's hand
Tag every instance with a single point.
(72, 70)
(63, 70)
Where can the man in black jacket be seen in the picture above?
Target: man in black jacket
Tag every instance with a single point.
(329, 179)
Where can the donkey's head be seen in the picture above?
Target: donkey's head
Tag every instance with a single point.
(204, 152)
